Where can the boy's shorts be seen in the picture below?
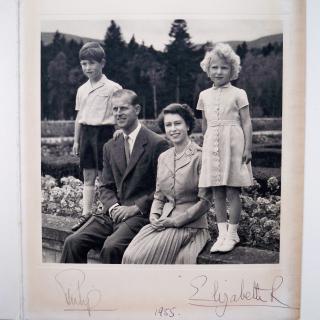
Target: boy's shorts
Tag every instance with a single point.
(92, 139)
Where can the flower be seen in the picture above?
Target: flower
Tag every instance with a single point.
(259, 220)
(273, 184)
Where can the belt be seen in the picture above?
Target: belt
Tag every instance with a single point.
(216, 123)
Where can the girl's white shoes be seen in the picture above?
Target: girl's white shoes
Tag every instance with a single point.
(229, 243)
(218, 244)
(226, 242)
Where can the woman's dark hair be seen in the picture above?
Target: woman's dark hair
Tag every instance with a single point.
(183, 110)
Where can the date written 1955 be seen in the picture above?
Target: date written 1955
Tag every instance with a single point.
(165, 312)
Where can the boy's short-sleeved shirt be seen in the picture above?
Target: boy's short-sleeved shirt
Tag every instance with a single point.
(93, 103)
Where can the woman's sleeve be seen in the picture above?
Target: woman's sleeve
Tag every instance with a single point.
(159, 198)
(242, 99)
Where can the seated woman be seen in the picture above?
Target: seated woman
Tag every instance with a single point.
(178, 228)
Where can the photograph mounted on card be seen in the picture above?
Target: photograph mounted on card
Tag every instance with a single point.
(166, 163)
(162, 68)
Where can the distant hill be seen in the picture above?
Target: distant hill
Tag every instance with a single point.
(47, 38)
(257, 43)
(261, 42)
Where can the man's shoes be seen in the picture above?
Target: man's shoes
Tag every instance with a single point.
(82, 220)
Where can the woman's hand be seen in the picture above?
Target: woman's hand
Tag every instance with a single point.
(157, 225)
(169, 223)
(154, 217)
(75, 149)
(246, 158)
(162, 224)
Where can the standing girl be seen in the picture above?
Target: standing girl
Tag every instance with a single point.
(227, 142)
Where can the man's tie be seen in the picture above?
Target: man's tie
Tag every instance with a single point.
(127, 148)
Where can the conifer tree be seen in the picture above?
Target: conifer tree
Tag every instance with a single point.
(58, 86)
(116, 58)
(180, 64)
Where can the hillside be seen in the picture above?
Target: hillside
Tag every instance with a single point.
(260, 42)
(47, 37)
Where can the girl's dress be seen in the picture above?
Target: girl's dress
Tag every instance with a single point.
(223, 143)
(176, 191)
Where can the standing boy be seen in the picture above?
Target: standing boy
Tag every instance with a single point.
(94, 124)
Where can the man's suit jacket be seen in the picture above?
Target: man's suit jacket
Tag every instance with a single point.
(135, 183)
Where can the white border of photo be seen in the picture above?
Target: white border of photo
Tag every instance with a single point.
(139, 291)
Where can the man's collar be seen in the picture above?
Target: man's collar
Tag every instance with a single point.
(134, 133)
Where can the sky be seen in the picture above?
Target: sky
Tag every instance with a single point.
(156, 32)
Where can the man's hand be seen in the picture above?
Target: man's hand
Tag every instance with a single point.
(122, 213)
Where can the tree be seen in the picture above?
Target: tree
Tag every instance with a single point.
(58, 44)
(242, 50)
(58, 86)
(154, 71)
(180, 63)
(44, 81)
(72, 53)
(133, 46)
(266, 50)
(115, 48)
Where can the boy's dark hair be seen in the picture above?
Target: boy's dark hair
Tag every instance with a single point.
(92, 51)
(183, 110)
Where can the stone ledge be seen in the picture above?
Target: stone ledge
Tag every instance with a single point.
(240, 255)
(56, 228)
(65, 128)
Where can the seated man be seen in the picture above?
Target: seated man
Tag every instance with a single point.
(127, 187)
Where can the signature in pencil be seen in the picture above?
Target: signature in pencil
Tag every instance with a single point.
(76, 297)
(210, 294)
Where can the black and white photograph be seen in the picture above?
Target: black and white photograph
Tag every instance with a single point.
(161, 141)
(162, 159)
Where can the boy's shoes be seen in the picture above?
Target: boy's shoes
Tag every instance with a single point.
(217, 245)
(229, 243)
(82, 220)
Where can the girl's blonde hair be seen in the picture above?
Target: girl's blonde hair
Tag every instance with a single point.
(225, 52)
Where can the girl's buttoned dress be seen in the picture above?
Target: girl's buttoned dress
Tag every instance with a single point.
(223, 144)
(176, 191)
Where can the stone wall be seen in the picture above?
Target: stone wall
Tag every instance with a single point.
(55, 229)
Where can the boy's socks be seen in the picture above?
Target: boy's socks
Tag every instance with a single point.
(88, 198)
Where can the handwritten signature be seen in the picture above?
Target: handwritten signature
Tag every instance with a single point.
(211, 295)
(73, 283)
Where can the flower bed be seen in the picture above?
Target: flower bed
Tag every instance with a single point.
(259, 225)
(260, 217)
